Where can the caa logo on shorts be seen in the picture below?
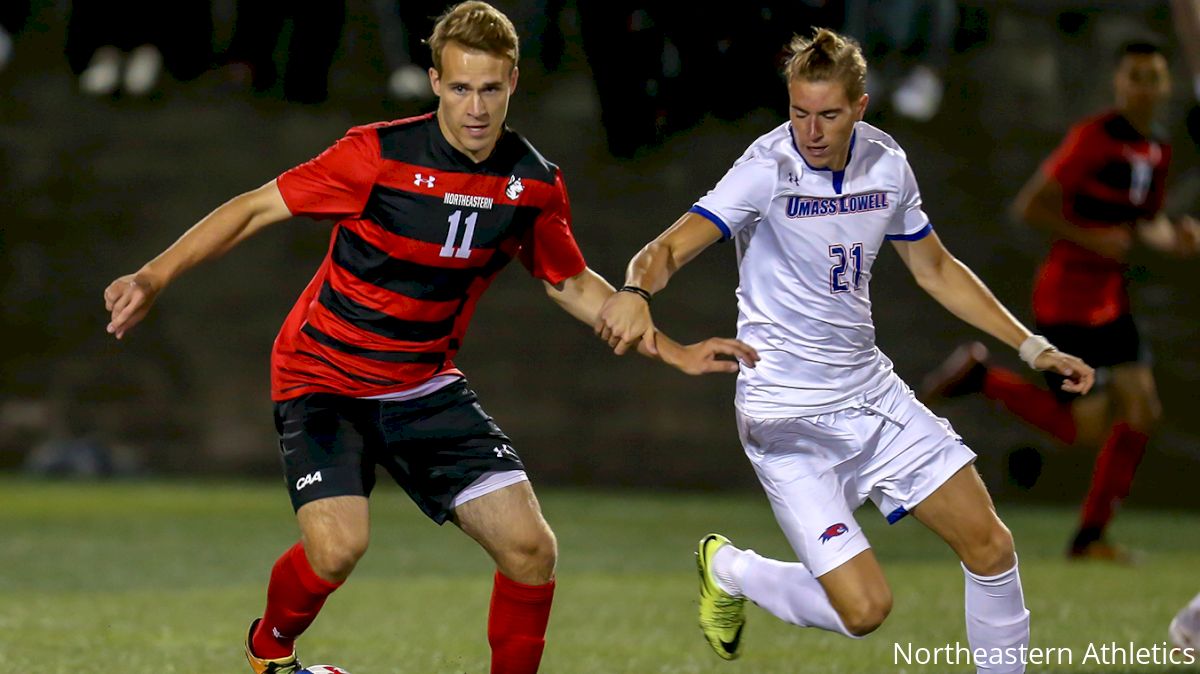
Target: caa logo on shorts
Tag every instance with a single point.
(833, 531)
(307, 480)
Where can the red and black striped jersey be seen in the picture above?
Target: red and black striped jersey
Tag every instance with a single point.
(1111, 176)
(421, 231)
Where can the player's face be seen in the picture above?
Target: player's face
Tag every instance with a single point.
(1142, 82)
(473, 88)
(823, 120)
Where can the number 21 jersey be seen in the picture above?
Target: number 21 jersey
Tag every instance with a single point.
(806, 238)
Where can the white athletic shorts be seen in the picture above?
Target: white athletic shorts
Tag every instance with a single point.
(818, 470)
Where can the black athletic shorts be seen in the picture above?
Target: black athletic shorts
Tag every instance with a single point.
(1101, 346)
(434, 446)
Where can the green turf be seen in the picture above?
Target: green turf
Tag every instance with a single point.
(163, 578)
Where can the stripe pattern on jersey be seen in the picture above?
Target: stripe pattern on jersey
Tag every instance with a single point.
(418, 241)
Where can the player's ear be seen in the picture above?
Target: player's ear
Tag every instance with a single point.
(435, 82)
(512, 79)
(861, 107)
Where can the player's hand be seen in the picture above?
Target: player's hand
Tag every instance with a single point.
(624, 320)
(715, 354)
(128, 299)
(1111, 242)
(1079, 375)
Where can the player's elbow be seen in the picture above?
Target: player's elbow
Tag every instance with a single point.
(931, 277)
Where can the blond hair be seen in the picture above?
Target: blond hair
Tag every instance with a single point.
(475, 25)
(828, 57)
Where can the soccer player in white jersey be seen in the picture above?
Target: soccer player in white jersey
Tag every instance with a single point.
(823, 418)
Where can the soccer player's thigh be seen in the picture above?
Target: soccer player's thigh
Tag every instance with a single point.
(813, 497)
(321, 443)
(931, 474)
(961, 513)
(509, 525)
(1136, 395)
(1099, 347)
(457, 464)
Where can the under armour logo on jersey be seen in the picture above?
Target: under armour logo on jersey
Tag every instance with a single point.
(514, 188)
(793, 179)
(504, 451)
(419, 179)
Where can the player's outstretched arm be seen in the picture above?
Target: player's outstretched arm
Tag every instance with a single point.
(957, 288)
(129, 297)
(715, 354)
(1040, 203)
(625, 318)
(584, 294)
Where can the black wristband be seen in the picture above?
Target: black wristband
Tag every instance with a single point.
(640, 292)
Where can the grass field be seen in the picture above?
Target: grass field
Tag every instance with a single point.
(163, 578)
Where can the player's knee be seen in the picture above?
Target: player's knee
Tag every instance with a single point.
(866, 615)
(1143, 416)
(992, 553)
(335, 560)
(531, 558)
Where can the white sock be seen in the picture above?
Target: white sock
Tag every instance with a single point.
(787, 590)
(997, 619)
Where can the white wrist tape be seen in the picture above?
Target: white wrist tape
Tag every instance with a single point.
(1032, 347)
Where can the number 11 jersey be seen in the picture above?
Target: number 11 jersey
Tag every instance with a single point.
(421, 231)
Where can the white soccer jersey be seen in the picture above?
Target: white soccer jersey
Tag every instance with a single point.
(806, 239)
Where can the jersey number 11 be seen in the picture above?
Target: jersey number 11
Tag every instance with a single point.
(463, 251)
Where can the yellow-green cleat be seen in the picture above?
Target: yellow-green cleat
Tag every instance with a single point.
(722, 615)
(288, 665)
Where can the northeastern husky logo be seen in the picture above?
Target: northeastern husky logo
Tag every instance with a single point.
(514, 188)
(833, 531)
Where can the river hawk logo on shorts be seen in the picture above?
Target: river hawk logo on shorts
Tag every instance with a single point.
(427, 181)
(833, 531)
(514, 188)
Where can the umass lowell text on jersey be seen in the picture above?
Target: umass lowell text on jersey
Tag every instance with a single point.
(421, 232)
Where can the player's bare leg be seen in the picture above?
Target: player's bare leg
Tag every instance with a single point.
(335, 532)
(1093, 414)
(1137, 413)
(961, 513)
(333, 537)
(859, 593)
(508, 523)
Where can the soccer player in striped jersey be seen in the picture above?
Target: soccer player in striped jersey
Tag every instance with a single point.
(1103, 187)
(823, 418)
(428, 210)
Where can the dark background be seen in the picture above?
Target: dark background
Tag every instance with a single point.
(91, 188)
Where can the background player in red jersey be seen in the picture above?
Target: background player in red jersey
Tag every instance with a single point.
(1102, 188)
(428, 211)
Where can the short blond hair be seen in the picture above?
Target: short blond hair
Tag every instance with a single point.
(475, 25)
(828, 57)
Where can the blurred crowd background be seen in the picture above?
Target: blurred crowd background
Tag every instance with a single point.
(124, 122)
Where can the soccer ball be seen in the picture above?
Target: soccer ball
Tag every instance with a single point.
(322, 669)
